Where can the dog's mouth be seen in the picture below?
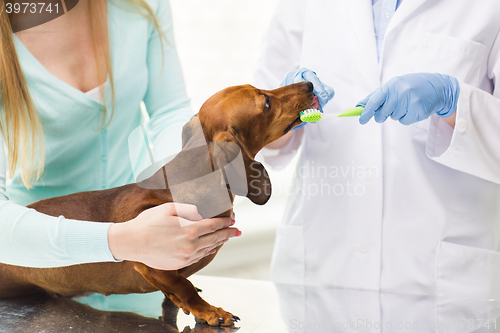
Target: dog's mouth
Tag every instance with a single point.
(314, 105)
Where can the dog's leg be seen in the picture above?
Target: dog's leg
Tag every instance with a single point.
(185, 296)
(169, 312)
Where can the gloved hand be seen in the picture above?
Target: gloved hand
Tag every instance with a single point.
(411, 98)
(324, 92)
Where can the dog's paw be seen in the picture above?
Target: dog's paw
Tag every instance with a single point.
(216, 317)
(204, 328)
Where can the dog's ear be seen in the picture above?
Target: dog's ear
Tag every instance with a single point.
(244, 175)
(259, 183)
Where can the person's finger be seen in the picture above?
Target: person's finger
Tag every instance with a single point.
(185, 211)
(195, 260)
(290, 78)
(218, 236)
(372, 106)
(330, 92)
(400, 109)
(364, 101)
(403, 115)
(203, 252)
(324, 92)
(209, 226)
(387, 108)
(298, 75)
(407, 120)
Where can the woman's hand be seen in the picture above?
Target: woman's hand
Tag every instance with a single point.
(169, 236)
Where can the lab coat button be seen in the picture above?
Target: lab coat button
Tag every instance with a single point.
(461, 125)
(363, 247)
(388, 15)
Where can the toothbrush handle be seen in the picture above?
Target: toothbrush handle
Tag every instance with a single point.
(329, 115)
(353, 112)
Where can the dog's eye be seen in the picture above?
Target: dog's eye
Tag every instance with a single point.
(268, 103)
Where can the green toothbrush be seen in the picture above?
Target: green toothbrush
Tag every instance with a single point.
(313, 115)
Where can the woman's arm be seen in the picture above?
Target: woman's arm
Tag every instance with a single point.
(164, 237)
(29, 238)
(166, 99)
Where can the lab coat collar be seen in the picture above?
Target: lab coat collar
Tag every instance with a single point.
(405, 9)
(361, 17)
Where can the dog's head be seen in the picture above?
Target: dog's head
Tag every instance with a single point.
(245, 119)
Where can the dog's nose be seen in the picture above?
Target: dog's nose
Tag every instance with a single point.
(310, 86)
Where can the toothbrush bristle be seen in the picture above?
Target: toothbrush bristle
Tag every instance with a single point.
(310, 116)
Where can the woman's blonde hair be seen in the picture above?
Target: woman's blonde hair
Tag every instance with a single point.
(19, 122)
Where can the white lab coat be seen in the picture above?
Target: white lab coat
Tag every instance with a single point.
(312, 309)
(387, 206)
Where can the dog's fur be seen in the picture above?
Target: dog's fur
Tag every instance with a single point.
(248, 118)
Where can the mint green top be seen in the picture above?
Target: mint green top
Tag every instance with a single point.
(81, 157)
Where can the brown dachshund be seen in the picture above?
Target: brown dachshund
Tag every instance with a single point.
(235, 122)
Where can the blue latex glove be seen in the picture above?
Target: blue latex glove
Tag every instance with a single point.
(411, 98)
(324, 92)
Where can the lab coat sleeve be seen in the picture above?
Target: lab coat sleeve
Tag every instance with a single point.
(473, 145)
(32, 239)
(166, 100)
(281, 52)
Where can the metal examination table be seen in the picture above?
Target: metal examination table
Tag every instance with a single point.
(264, 307)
